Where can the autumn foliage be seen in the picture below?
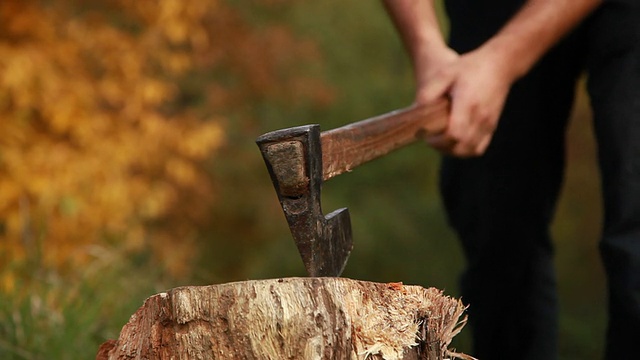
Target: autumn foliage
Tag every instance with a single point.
(112, 114)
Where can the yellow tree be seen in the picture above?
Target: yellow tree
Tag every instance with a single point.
(110, 112)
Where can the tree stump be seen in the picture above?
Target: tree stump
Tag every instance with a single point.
(292, 318)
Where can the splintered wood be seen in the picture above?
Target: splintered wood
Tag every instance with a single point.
(292, 318)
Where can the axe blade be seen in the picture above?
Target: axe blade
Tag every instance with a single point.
(299, 159)
(340, 244)
(294, 159)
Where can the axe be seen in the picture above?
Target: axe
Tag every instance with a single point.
(300, 159)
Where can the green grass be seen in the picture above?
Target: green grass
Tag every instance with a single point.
(51, 316)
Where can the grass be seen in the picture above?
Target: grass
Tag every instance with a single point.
(51, 316)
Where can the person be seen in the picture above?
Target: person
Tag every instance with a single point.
(510, 70)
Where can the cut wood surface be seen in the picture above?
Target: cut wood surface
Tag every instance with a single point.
(292, 318)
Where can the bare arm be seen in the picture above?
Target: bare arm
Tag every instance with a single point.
(419, 29)
(478, 82)
(418, 26)
(538, 26)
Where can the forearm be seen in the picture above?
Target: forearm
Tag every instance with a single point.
(537, 27)
(478, 82)
(417, 23)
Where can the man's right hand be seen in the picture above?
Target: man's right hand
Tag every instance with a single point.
(477, 83)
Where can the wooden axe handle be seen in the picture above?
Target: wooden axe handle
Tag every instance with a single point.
(349, 146)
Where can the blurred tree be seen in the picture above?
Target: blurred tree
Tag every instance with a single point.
(113, 112)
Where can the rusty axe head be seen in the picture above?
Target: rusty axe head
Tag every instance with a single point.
(294, 160)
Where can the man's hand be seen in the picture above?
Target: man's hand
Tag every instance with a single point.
(477, 84)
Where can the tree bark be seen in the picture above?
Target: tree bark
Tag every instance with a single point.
(292, 318)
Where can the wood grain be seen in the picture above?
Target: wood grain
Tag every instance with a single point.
(292, 318)
(347, 147)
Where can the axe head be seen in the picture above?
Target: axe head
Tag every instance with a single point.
(294, 160)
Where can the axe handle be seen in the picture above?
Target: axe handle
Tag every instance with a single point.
(349, 146)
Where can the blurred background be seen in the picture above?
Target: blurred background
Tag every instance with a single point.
(128, 164)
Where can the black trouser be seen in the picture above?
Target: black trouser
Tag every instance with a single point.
(501, 204)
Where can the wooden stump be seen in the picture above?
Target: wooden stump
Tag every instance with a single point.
(292, 318)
